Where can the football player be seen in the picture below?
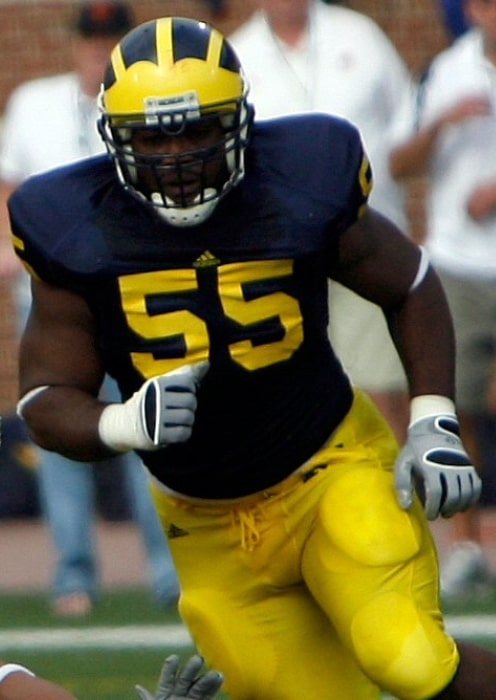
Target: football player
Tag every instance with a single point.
(192, 265)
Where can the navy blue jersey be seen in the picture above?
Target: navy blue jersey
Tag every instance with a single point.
(247, 289)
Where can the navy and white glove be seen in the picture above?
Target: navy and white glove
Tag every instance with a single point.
(186, 684)
(162, 412)
(435, 463)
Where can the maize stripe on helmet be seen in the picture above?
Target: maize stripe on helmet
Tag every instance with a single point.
(166, 74)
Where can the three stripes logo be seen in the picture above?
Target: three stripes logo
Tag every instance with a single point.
(206, 259)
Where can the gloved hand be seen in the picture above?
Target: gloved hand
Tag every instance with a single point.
(160, 413)
(434, 461)
(185, 684)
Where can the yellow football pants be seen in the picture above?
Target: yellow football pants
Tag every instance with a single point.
(320, 587)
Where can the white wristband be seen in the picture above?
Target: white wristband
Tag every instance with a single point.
(22, 403)
(7, 669)
(422, 269)
(430, 405)
(115, 428)
(121, 425)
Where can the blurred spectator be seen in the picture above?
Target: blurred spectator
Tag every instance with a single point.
(303, 56)
(50, 122)
(18, 461)
(452, 139)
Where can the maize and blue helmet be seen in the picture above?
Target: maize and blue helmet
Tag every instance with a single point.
(171, 74)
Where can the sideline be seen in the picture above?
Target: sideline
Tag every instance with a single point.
(471, 626)
(160, 636)
(118, 637)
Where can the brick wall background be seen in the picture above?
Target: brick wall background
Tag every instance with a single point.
(34, 42)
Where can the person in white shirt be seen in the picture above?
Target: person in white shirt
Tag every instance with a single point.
(50, 122)
(452, 141)
(306, 56)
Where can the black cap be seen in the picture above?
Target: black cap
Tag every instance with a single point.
(105, 18)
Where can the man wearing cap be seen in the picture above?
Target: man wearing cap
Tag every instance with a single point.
(50, 122)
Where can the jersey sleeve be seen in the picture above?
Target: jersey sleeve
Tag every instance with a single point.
(322, 158)
(52, 222)
(349, 174)
(24, 226)
(361, 189)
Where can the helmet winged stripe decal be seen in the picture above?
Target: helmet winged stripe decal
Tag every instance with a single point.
(228, 58)
(175, 81)
(140, 46)
(187, 46)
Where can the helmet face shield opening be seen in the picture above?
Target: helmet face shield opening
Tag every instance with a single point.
(180, 152)
(152, 168)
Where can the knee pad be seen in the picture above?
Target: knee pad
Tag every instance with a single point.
(402, 648)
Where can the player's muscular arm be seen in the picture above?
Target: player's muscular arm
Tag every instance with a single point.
(61, 373)
(380, 263)
(58, 350)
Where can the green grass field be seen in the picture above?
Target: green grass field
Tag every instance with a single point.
(125, 640)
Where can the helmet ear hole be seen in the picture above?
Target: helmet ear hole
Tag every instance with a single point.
(166, 74)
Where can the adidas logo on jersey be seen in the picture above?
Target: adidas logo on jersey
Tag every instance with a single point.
(206, 259)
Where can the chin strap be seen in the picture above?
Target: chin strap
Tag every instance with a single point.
(186, 216)
(422, 270)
